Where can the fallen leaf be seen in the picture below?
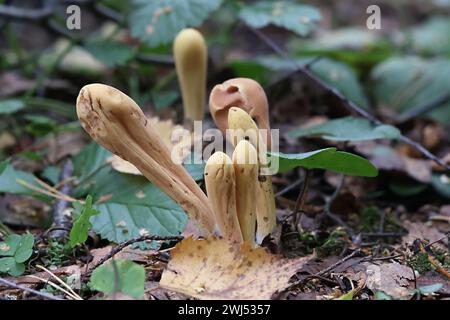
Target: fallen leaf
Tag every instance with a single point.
(420, 230)
(215, 269)
(392, 278)
(432, 277)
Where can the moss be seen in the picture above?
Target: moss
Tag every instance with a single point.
(420, 263)
(370, 217)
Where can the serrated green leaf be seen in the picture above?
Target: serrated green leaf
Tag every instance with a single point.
(299, 18)
(408, 83)
(129, 280)
(82, 225)
(348, 129)
(24, 249)
(11, 106)
(110, 52)
(10, 266)
(336, 74)
(327, 159)
(158, 21)
(136, 207)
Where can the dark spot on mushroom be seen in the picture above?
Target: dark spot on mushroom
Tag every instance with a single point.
(232, 89)
(191, 255)
(266, 219)
(247, 138)
(262, 178)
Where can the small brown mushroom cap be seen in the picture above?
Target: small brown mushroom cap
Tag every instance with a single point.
(117, 123)
(243, 93)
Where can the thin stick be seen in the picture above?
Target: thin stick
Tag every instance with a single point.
(59, 280)
(42, 191)
(54, 285)
(346, 102)
(35, 292)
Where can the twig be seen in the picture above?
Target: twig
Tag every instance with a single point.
(435, 263)
(35, 292)
(44, 191)
(73, 293)
(59, 210)
(4, 230)
(125, 244)
(414, 112)
(54, 285)
(17, 13)
(438, 240)
(322, 273)
(289, 188)
(329, 202)
(301, 199)
(346, 102)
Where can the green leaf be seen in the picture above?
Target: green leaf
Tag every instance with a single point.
(328, 159)
(9, 246)
(11, 106)
(432, 37)
(25, 248)
(136, 207)
(299, 18)
(336, 74)
(110, 52)
(158, 21)
(347, 296)
(81, 226)
(431, 288)
(380, 295)
(9, 177)
(441, 183)
(406, 84)
(129, 280)
(348, 129)
(10, 266)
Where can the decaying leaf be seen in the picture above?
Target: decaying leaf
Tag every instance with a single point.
(391, 278)
(215, 269)
(420, 230)
(172, 135)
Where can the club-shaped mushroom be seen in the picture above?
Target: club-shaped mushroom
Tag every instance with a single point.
(117, 123)
(243, 128)
(191, 55)
(245, 161)
(220, 183)
(243, 93)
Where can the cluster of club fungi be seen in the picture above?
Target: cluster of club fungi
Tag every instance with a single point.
(239, 205)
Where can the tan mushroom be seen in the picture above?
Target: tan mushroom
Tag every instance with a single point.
(191, 55)
(245, 161)
(243, 93)
(220, 183)
(116, 122)
(243, 128)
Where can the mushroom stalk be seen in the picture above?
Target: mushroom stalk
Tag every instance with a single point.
(190, 54)
(116, 122)
(245, 161)
(243, 128)
(221, 188)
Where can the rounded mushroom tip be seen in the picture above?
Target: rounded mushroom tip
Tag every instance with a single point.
(245, 153)
(218, 157)
(189, 35)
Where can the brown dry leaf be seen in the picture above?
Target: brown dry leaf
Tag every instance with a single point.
(215, 269)
(165, 129)
(391, 278)
(420, 230)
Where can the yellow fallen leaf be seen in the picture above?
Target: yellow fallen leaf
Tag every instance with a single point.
(216, 269)
(165, 128)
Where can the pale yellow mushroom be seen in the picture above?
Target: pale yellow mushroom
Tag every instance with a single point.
(191, 55)
(116, 122)
(220, 183)
(245, 161)
(242, 127)
(243, 93)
